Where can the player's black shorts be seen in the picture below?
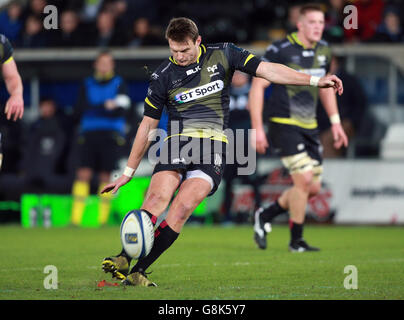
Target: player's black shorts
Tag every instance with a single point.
(182, 154)
(100, 150)
(287, 140)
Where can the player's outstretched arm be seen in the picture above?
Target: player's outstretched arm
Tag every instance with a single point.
(281, 74)
(139, 147)
(256, 103)
(15, 104)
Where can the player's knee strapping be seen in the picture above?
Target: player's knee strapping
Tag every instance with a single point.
(298, 163)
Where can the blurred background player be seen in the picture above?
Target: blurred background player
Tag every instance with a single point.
(14, 108)
(101, 110)
(292, 124)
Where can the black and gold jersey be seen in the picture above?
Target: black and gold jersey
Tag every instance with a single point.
(6, 50)
(197, 96)
(296, 105)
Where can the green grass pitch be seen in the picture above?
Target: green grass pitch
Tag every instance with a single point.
(208, 262)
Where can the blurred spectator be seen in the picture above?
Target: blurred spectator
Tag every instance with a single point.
(116, 7)
(293, 17)
(369, 17)
(334, 18)
(35, 8)
(33, 35)
(144, 35)
(149, 9)
(390, 29)
(101, 109)
(45, 144)
(106, 34)
(69, 33)
(11, 21)
(239, 118)
(352, 107)
(37, 169)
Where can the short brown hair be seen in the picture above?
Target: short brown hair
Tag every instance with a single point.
(310, 7)
(179, 29)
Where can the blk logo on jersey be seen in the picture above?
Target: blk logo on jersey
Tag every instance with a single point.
(308, 53)
(199, 92)
(194, 70)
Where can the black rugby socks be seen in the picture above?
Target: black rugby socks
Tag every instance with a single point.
(272, 211)
(164, 237)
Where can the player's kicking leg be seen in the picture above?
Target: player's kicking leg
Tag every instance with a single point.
(162, 187)
(190, 195)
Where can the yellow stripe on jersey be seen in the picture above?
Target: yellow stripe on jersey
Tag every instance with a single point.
(8, 60)
(202, 133)
(290, 39)
(293, 35)
(150, 104)
(199, 55)
(250, 56)
(295, 122)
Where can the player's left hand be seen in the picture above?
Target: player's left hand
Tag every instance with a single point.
(340, 138)
(331, 81)
(115, 185)
(14, 108)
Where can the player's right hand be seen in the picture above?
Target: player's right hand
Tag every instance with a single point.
(14, 107)
(115, 185)
(261, 142)
(331, 81)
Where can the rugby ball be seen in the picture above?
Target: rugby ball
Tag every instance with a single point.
(137, 234)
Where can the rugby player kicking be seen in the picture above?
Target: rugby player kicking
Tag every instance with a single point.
(193, 84)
